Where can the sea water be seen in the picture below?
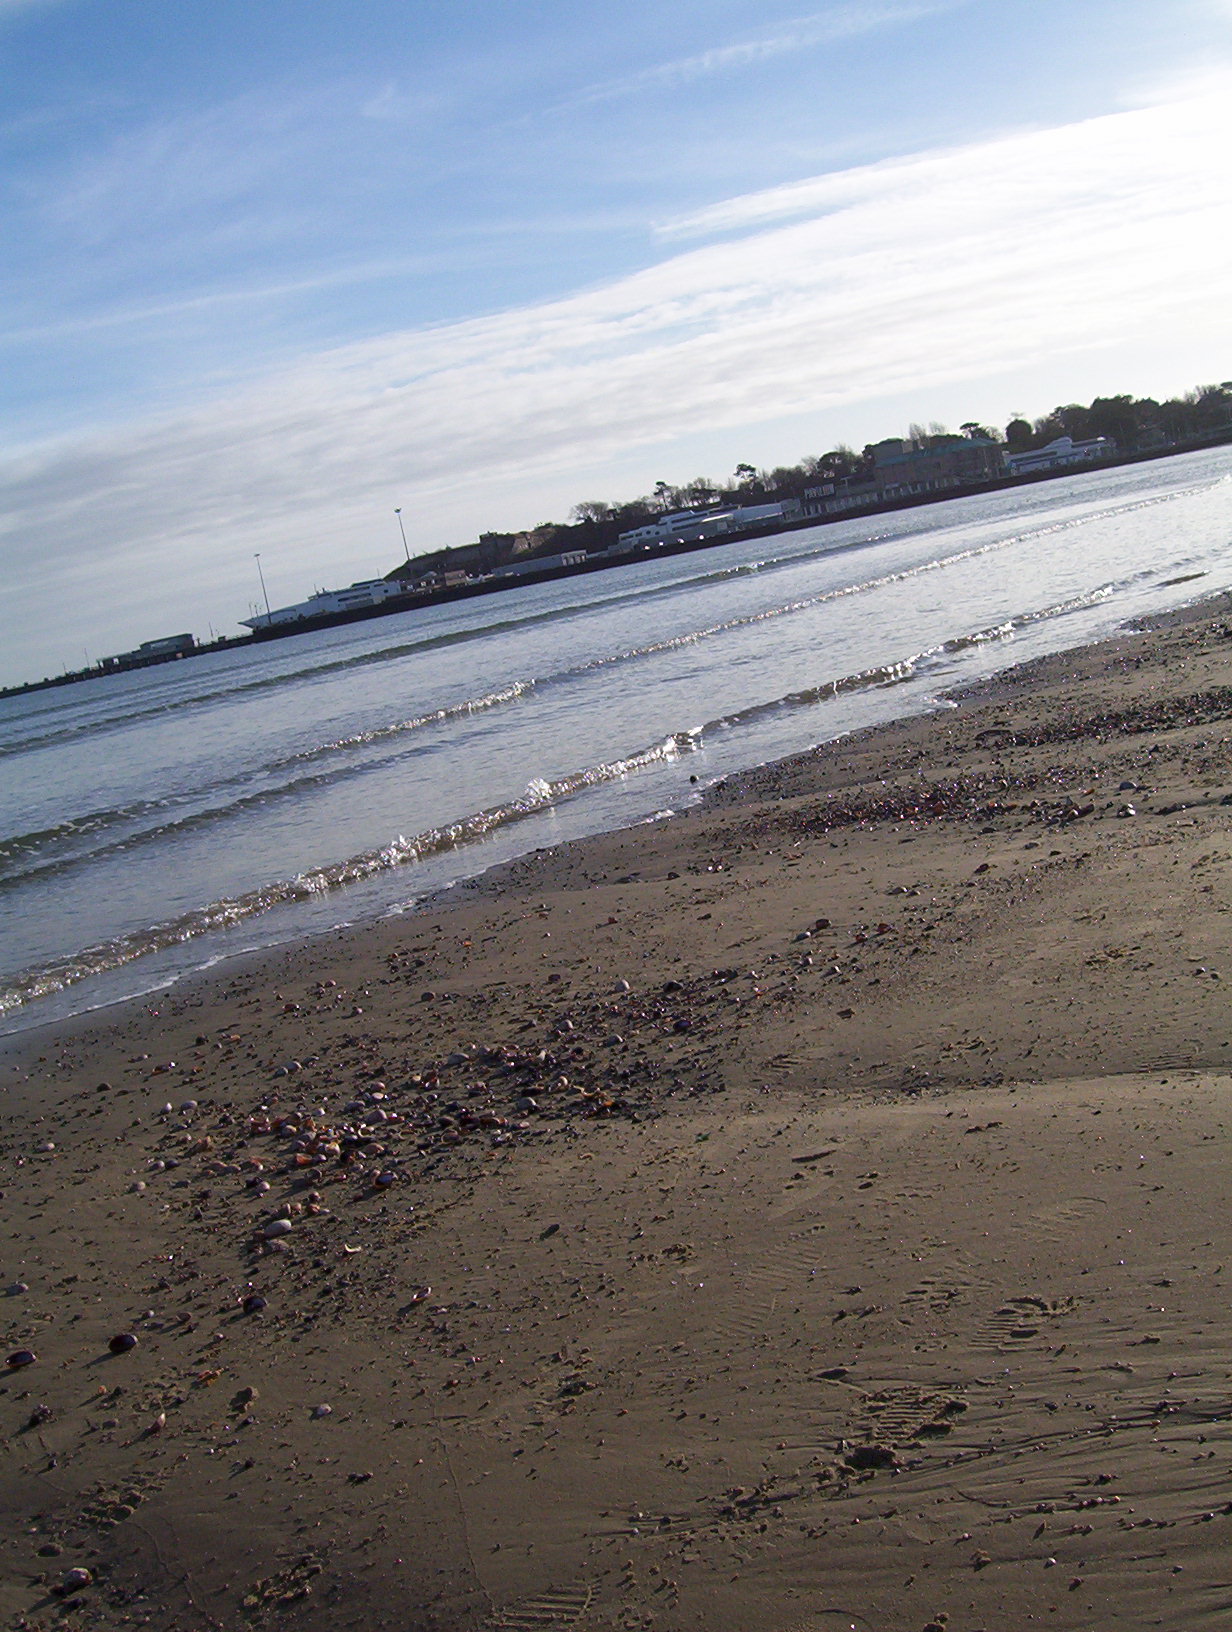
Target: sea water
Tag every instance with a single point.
(154, 822)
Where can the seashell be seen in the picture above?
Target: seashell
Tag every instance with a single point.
(20, 1358)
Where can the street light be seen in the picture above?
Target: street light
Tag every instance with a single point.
(402, 530)
(264, 591)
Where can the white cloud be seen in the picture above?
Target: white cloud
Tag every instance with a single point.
(943, 266)
(791, 37)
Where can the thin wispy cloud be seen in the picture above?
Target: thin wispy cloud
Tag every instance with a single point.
(791, 37)
(243, 295)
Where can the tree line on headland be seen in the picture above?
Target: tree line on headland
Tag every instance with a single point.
(1136, 425)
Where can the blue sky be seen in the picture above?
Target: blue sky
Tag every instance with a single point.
(270, 268)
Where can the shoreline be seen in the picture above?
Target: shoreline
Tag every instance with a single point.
(443, 897)
(803, 1211)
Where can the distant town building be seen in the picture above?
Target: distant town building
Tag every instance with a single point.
(541, 563)
(164, 650)
(905, 469)
(838, 496)
(370, 592)
(1059, 454)
(684, 526)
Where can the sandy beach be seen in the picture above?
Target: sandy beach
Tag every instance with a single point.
(806, 1213)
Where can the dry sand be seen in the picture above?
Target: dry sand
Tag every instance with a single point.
(807, 1213)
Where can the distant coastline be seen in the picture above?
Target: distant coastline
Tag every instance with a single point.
(419, 600)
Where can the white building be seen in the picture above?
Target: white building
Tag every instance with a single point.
(1059, 454)
(370, 592)
(541, 563)
(687, 525)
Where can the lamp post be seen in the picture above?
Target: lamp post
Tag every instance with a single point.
(264, 591)
(402, 530)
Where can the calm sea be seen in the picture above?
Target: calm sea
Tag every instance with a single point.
(155, 822)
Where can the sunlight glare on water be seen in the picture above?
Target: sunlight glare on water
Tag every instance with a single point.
(154, 821)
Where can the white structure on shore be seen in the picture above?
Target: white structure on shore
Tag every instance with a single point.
(1056, 455)
(370, 592)
(684, 525)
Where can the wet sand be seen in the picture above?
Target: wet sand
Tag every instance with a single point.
(806, 1213)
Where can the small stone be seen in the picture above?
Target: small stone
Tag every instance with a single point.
(122, 1342)
(254, 1303)
(75, 1580)
(319, 1411)
(20, 1359)
(16, 1290)
(277, 1227)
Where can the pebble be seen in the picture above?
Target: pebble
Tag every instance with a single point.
(20, 1359)
(122, 1342)
(277, 1227)
(75, 1580)
(17, 1288)
(322, 1411)
(254, 1303)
